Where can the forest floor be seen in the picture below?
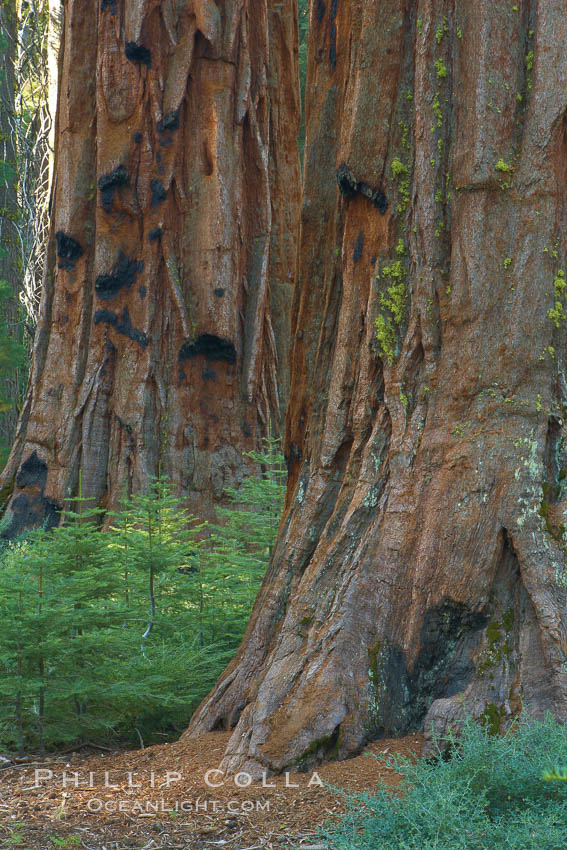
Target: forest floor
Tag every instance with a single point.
(86, 801)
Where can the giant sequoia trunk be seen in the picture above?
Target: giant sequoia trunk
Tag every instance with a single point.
(163, 335)
(418, 569)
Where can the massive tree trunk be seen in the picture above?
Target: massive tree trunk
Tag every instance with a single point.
(418, 570)
(165, 312)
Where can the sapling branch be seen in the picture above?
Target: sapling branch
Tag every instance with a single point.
(150, 625)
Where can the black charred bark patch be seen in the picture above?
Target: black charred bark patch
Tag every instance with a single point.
(213, 348)
(359, 245)
(109, 182)
(333, 34)
(401, 696)
(29, 511)
(32, 508)
(333, 48)
(123, 324)
(170, 121)
(116, 177)
(138, 53)
(25, 514)
(437, 667)
(349, 186)
(52, 513)
(294, 455)
(32, 472)
(68, 250)
(154, 234)
(142, 291)
(111, 5)
(158, 191)
(320, 10)
(219, 292)
(127, 428)
(137, 138)
(123, 274)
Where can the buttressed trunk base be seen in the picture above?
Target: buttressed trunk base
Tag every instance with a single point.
(418, 571)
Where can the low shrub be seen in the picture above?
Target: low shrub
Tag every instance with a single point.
(488, 793)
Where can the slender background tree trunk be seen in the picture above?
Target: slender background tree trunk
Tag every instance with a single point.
(164, 318)
(8, 178)
(9, 213)
(418, 570)
(54, 30)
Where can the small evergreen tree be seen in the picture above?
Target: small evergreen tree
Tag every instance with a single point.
(240, 548)
(122, 633)
(156, 538)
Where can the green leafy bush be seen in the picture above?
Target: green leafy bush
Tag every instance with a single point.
(487, 793)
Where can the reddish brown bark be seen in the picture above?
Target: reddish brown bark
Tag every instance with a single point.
(418, 569)
(164, 321)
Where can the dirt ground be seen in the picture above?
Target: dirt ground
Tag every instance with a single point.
(91, 800)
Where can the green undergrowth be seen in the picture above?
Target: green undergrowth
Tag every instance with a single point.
(482, 792)
(116, 636)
